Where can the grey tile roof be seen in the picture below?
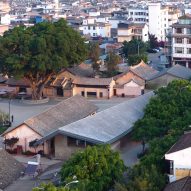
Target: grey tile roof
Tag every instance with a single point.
(183, 184)
(183, 143)
(92, 81)
(143, 70)
(10, 169)
(64, 113)
(109, 125)
(176, 70)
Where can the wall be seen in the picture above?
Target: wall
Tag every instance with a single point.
(182, 163)
(62, 150)
(130, 89)
(25, 135)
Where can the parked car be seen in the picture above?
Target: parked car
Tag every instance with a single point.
(157, 50)
(151, 51)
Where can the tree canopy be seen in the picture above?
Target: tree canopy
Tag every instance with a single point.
(135, 51)
(96, 168)
(166, 117)
(94, 55)
(39, 52)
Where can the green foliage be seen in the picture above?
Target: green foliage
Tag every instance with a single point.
(153, 42)
(39, 52)
(134, 47)
(96, 168)
(112, 61)
(166, 117)
(94, 54)
(51, 187)
(135, 59)
(3, 117)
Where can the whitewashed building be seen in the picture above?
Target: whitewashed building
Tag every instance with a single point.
(178, 158)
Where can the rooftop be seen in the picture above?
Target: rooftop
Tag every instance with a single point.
(109, 125)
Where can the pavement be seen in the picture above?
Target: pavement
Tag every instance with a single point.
(21, 111)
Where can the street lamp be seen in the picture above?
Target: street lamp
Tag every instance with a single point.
(72, 182)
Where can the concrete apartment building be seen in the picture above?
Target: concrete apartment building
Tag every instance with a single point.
(128, 32)
(179, 42)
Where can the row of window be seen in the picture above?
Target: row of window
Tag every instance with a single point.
(139, 13)
(181, 40)
(181, 31)
(180, 50)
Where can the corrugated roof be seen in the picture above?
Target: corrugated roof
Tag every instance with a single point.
(64, 113)
(109, 125)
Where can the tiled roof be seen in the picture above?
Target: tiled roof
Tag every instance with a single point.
(64, 113)
(176, 70)
(10, 169)
(183, 143)
(15, 82)
(143, 70)
(183, 184)
(109, 125)
(186, 16)
(92, 81)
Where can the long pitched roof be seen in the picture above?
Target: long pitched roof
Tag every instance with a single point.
(64, 113)
(92, 81)
(176, 70)
(10, 169)
(109, 125)
(183, 143)
(183, 184)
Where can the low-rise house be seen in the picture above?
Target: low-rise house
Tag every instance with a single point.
(10, 169)
(128, 32)
(164, 77)
(93, 87)
(110, 126)
(178, 158)
(64, 113)
(132, 82)
(183, 184)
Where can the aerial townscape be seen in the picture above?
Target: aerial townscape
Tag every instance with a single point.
(95, 95)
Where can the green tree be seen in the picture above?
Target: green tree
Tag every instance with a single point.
(135, 59)
(153, 42)
(51, 187)
(134, 47)
(112, 61)
(38, 53)
(96, 168)
(94, 55)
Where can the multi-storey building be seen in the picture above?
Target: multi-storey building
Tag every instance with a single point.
(128, 32)
(180, 41)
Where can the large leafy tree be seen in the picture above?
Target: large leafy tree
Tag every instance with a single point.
(94, 54)
(37, 53)
(153, 41)
(135, 51)
(166, 117)
(96, 168)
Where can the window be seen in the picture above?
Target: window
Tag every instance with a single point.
(188, 40)
(179, 31)
(83, 93)
(179, 40)
(188, 31)
(188, 50)
(100, 94)
(179, 50)
(93, 27)
(88, 27)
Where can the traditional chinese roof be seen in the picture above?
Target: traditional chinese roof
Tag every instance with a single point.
(107, 126)
(64, 113)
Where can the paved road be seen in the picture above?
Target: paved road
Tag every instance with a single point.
(22, 111)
